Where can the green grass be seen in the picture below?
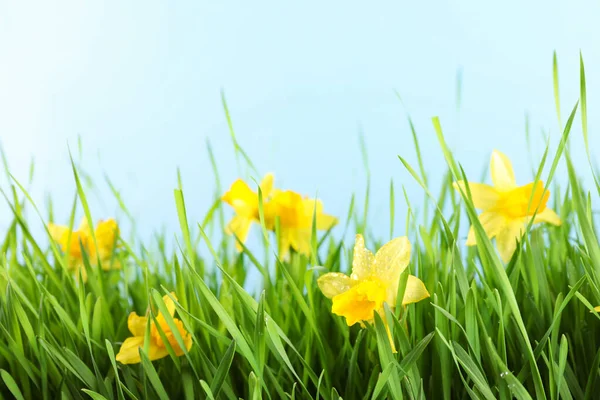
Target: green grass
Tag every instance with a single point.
(524, 330)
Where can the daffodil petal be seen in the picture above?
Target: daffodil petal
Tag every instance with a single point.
(503, 175)
(491, 222)
(136, 324)
(284, 246)
(362, 260)
(471, 238)
(57, 232)
(266, 185)
(170, 303)
(243, 200)
(156, 352)
(240, 227)
(106, 234)
(129, 351)
(315, 207)
(334, 283)
(415, 291)
(326, 222)
(484, 196)
(506, 239)
(391, 259)
(301, 240)
(548, 216)
(84, 226)
(187, 341)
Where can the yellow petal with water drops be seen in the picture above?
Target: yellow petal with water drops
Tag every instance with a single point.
(136, 324)
(129, 352)
(391, 259)
(506, 239)
(334, 283)
(483, 196)
(362, 260)
(548, 216)
(240, 227)
(503, 175)
(491, 222)
(266, 185)
(415, 291)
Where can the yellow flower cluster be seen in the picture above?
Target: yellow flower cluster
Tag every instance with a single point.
(75, 243)
(130, 349)
(293, 211)
(80, 243)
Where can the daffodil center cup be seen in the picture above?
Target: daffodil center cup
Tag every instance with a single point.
(523, 201)
(158, 341)
(359, 303)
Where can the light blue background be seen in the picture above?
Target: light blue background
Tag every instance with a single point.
(140, 83)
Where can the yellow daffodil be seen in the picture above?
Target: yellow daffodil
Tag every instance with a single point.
(245, 203)
(73, 242)
(507, 208)
(295, 215)
(374, 281)
(129, 352)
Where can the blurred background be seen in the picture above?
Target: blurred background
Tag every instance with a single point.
(137, 86)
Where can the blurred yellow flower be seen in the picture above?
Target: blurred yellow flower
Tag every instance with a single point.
(129, 352)
(295, 215)
(374, 281)
(507, 208)
(73, 242)
(245, 204)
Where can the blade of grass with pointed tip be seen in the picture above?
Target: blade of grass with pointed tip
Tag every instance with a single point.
(485, 248)
(11, 385)
(223, 370)
(555, 84)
